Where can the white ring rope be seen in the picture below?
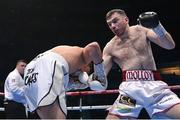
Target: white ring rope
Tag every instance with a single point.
(172, 87)
(97, 107)
(78, 93)
(88, 107)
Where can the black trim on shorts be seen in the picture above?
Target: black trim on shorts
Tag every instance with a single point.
(57, 97)
(51, 84)
(60, 105)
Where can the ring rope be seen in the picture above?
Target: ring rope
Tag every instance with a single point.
(172, 87)
(92, 92)
(80, 108)
(1, 94)
(89, 107)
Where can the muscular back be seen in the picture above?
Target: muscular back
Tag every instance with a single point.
(132, 52)
(73, 55)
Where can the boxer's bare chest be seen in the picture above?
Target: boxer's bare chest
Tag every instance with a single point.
(130, 49)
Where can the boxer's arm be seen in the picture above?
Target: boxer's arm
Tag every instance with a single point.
(98, 79)
(92, 53)
(157, 32)
(96, 83)
(167, 42)
(107, 58)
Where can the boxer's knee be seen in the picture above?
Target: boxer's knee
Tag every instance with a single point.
(174, 112)
(111, 117)
(52, 111)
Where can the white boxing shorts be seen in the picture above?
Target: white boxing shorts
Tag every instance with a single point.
(46, 78)
(142, 89)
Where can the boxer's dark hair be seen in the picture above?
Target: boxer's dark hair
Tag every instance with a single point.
(21, 60)
(119, 11)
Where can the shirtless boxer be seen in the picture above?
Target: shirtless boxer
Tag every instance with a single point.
(142, 86)
(51, 73)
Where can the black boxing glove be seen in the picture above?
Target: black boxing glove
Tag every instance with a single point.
(148, 19)
(151, 20)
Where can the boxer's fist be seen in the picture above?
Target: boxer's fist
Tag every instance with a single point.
(148, 19)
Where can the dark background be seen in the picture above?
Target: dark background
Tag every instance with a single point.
(28, 27)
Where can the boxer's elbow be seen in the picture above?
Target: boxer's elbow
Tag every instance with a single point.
(93, 48)
(170, 42)
(94, 45)
(171, 46)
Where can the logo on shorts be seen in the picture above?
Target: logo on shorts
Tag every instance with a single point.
(139, 75)
(30, 77)
(123, 109)
(166, 100)
(127, 100)
(40, 55)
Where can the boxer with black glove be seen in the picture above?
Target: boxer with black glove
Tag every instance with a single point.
(130, 48)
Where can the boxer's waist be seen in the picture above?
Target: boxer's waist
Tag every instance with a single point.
(129, 75)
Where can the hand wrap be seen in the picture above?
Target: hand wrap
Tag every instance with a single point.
(98, 80)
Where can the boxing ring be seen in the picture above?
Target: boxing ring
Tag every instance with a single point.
(82, 94)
